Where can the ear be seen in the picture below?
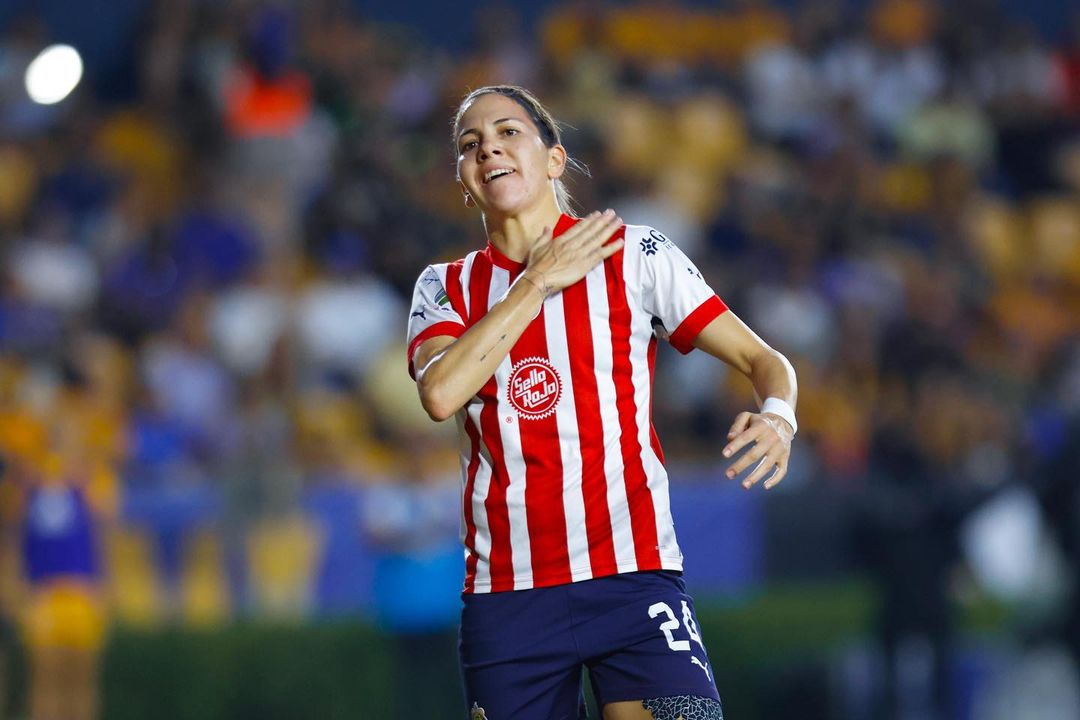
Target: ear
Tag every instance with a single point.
(469, 202)
(556, 162)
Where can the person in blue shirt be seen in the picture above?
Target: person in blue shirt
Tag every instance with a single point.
(63, 621)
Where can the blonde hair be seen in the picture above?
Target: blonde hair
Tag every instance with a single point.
(546, 124)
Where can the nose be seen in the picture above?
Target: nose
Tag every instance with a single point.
(488, 148)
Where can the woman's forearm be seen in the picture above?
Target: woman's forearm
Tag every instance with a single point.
(457, 372)
(773, 376)
(452, 373)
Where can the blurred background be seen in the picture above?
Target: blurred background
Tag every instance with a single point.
(221, 498)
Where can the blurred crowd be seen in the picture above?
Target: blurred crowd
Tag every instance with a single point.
(205, 286)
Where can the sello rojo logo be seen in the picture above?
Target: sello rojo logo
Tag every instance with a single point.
(534, 388)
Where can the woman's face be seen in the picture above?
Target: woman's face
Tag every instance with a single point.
(503, 164)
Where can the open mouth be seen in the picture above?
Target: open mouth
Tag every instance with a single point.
(497, 173)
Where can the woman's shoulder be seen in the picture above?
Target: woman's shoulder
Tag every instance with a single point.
(442, 266)
(646, 240)
(437, 271)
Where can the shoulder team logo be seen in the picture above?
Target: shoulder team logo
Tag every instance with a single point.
(656, 239)
(534, 388)
(477, 712)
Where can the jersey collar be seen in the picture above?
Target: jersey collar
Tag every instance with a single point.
(564, 223)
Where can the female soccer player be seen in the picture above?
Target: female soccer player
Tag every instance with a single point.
(542, 346)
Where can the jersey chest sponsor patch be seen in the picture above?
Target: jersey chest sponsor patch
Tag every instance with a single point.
(534, 388)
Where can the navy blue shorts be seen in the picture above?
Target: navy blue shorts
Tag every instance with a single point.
(637, 633)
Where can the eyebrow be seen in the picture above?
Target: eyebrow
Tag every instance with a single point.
(466, 131)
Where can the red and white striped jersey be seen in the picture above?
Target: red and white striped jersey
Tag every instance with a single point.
(562, 470)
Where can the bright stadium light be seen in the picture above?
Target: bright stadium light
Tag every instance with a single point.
(53, 74)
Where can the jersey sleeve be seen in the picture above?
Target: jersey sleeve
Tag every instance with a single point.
(670, 286)
(431, 314)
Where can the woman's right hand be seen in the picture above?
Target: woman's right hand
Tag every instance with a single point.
(557, 263)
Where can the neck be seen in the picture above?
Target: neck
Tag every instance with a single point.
(514, 235)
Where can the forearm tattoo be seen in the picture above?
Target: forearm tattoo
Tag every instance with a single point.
(497, 342)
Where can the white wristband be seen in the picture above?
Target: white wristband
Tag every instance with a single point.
(776, 406)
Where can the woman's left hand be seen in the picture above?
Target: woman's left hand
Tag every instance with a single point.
(771, 436)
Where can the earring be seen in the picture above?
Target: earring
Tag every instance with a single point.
(468, 200)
